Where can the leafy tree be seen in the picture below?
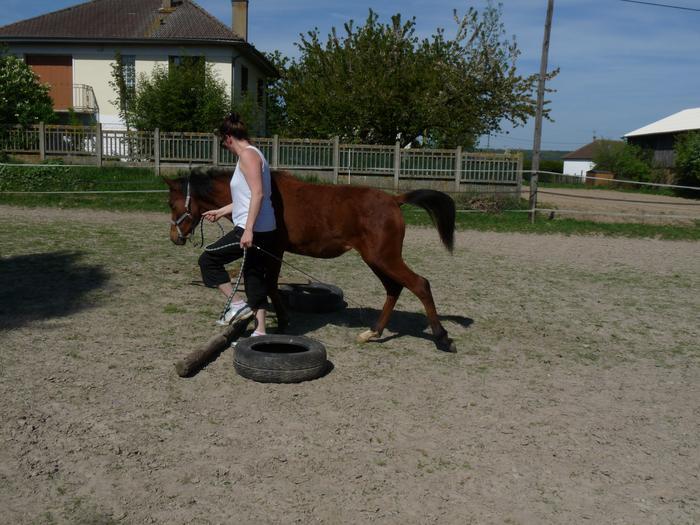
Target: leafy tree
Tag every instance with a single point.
(625, 160)
(379, 82)
(687, 149)
(183, 97)
(23, 99)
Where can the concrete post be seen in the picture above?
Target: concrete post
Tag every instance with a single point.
(156, 151)
(42, 141)
(458, 168)
(397, 164)
(275, 152)
(98, 143)
(336, 158)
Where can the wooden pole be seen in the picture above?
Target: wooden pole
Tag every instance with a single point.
(206, 353)
(537, 143)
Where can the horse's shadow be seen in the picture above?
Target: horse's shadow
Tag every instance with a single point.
(401, 324)
(45, 285)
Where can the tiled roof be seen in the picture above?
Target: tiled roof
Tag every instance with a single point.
(586, 152)
(124, 19)
(686, 120)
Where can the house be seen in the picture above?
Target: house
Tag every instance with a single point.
(660, 136)
(580, 162)
(73, 50)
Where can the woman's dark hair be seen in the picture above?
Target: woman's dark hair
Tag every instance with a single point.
(233, 126)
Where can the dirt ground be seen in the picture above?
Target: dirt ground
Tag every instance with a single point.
(618, 206)
(574, 396)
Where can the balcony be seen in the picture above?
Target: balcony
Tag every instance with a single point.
(84, 100)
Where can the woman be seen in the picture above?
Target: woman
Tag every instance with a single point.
(254, 226)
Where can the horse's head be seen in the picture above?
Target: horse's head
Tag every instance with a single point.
(185, 211)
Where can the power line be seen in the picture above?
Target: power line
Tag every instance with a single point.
(661, 5)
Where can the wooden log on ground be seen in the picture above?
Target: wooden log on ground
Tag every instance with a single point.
(209, 351)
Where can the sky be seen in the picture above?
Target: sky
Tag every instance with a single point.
(622, 65)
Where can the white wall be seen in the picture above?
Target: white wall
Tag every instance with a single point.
(578, 167)
(92, 66)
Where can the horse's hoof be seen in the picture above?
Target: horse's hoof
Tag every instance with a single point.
(447, 345)
(366, 336)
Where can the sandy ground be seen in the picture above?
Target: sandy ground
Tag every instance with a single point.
(574, 396)
(618, 206)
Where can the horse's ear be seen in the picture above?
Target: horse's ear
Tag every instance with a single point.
(168, 181)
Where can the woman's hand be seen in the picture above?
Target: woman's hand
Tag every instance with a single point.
(247, 239)
(214, 215)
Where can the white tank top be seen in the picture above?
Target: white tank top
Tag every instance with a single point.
(240, 196)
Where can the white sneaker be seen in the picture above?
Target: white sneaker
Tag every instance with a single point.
(234, 313)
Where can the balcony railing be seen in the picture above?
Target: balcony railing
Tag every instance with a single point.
(84, 100)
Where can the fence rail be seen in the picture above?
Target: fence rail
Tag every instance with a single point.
(156, 148)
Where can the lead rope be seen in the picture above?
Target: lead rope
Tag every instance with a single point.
(238, 282)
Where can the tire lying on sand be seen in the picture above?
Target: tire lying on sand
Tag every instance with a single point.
(280, 359)
(315, 298)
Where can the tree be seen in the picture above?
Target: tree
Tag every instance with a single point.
(23, 99)
(379, 82)
(687, 149)
(626, 161)
(183, 97)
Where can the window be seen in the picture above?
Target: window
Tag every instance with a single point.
(129, 71)
(261, 92)
(244, 80)
(185, 61)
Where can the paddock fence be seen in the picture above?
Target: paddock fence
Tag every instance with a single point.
(389, 167)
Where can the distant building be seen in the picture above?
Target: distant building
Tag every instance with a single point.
(72, 50)
(580, 162)
(661, 135)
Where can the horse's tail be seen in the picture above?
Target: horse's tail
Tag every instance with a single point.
(441, 209)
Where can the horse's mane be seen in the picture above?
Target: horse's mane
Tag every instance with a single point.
(201, 181)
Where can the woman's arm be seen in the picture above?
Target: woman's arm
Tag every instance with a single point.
(251, 166)
(215, 215)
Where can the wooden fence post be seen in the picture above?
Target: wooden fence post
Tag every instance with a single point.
(98, 143)
(275, 152)
(519, 176)
(336, 158)
(215, 149)
(458, 168)
(42, 141)
(397, 164)
(156, 150)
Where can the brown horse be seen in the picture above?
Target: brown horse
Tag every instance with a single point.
(326, 221)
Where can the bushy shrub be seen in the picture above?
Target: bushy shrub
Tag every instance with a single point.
(687, 149)
(23, 99)
(626, 161)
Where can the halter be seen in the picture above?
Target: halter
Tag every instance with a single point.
(184, 215)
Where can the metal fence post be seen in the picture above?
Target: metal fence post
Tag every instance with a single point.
(42, 141)
(98, 143)
(336, 158)
(458, 168)
(275, 151)
(215, 149)
(156, 151)
(397, 164)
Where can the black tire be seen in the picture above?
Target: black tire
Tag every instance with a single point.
(280, 359)
(314, 298)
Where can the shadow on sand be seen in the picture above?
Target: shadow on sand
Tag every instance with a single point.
(44, 286)
(401, 324)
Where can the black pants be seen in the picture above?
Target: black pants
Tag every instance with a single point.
(217, 254)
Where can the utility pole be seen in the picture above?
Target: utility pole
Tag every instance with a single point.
(538, 116)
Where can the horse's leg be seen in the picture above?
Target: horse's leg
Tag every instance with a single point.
(273, 269)
(393, 290)
(395, 268)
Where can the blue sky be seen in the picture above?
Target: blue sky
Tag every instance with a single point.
(623, 65)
